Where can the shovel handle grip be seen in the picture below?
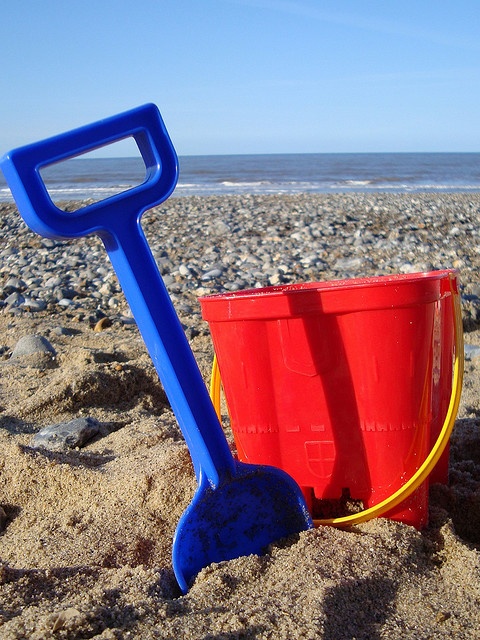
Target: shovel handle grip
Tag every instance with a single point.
(22, 170)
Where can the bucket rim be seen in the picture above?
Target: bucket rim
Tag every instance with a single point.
(332, 296)
(340, 283)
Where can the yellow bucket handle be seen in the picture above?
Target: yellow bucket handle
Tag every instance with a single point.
(430, 461)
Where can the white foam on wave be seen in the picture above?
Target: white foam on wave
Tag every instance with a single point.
(5, 195)
(357, 183)
(256, 183)
(101, 192)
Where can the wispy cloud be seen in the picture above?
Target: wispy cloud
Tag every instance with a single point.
(363, 21)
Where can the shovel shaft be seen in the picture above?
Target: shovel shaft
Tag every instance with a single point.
(168, 347)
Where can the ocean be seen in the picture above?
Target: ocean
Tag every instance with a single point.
(99, 178)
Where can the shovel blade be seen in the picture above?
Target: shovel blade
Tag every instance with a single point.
(242, 516)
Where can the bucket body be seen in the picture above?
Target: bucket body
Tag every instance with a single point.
(343, 384)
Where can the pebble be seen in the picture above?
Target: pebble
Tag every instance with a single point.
(471, 351)
(348, 264)
(66, 435)
(30, 304)
(15, 299)
(62, 331)
(212, 273)
(65, 302)
(206, 245)
(34, 351)
(31, 344)
(14, 284)
(102, 324)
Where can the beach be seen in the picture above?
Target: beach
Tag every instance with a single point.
(86, 531)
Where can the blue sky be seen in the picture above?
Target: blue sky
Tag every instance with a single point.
(248, 76)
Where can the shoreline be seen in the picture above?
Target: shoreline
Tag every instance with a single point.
(276, 191)
(86, 539)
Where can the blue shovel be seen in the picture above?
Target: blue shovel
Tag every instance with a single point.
(238, 509)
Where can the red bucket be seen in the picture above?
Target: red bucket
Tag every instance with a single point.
(343, 384)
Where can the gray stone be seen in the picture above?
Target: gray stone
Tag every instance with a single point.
(471, 351)
(348, 264)
(32, 304)
(28, 345)
(66, 435)
(53, 281)
(220, 228)
(14, 284)
(113, 303)
(63, 292)
(168, 280)
(274, 279)
(62, 331)
(48, 243)
(15, 299)
(475, 290)
(66, 302)
(183, 270)
(213, 273)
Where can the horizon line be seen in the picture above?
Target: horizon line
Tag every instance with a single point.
(289, 153)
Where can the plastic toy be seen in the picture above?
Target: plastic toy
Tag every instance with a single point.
(346, 385)
(238, 509)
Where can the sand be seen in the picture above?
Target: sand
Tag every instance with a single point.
(85, 550)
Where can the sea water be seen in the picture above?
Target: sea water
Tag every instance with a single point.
(98, 178)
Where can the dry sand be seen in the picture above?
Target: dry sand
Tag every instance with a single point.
(86, 545)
